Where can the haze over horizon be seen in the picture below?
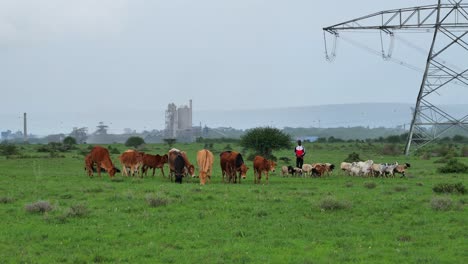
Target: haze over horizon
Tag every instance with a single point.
(388, 115)
(75, 63)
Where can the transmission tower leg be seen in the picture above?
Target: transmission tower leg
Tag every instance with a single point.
(417, 109)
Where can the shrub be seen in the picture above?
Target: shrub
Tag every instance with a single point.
(170, 141)
(449, 188)
(228, 147)
(134, 142)
(441, 203)
(6, 199)
(77, 210)
(330, 203)
(285, 160)
(370, 185)
(353, 157)
(391, 149)
(400, 188)
(8, 149)
(453, 166)
(39, 207)
(69, 141)
(464, 151)
(113, 150)
(156, 201)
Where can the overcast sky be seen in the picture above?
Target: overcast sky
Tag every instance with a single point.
(61, 59)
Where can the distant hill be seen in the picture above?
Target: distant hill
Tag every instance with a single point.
(388, 115)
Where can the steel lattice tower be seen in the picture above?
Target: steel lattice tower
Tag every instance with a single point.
(449, 24)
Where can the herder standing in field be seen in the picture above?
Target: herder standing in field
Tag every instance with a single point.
(300, 152)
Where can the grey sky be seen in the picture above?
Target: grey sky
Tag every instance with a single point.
(92, 58)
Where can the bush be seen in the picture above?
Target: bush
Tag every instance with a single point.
(464, 151)
(113, 150)
(330, 203)
(69, 141)
(441, 203)
(77, 210)
(285, 160)
(134, 142)
(54, 147)
(8, 149)
(391, 150)
(400, 188)
(38, 207)
(449, 188)
(6, 199)
(156, 201)
(353, 157)
(370, 185)
(453, 166)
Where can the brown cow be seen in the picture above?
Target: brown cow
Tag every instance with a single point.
(318, 169)
(189, 168)
(205, 165)
(100, 156)
(262, 165)
(89, 165)
(153, 162)
(232, 166)
(131, 159)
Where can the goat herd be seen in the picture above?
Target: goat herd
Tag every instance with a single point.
(233, 168)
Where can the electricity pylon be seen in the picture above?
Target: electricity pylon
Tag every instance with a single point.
(448, 22)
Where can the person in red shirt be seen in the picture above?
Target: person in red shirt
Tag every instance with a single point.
(299, 151)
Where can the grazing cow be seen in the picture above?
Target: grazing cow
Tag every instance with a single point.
(100, 156)
(307, 169)
(89, 165)
(319, 169)
(179, 167)
(153, 162)
(131, 159)
(262, 165)
(188, 169)
(232, 166)
(205, 165)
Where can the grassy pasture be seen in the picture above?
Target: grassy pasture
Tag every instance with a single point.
(333, 219)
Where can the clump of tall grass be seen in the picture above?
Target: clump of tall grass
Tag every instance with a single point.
(330, 203)
(77, 210)
(39, 207)
(370, 185)
(441, 203)
(6, 199)
(453, 166)
(156, 201)
(449, 188)
(400, 188)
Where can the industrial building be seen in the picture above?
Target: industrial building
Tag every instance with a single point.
(179, 123)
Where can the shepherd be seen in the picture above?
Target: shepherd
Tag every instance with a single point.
(299, 151)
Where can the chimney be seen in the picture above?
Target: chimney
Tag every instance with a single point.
(25, 132)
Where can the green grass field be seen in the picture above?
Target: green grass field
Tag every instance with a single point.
(151, 220)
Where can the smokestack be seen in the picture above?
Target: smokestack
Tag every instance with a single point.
(190, 105)
(25, 132)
